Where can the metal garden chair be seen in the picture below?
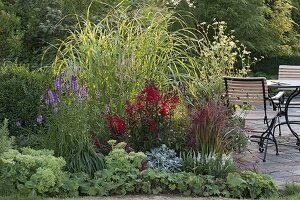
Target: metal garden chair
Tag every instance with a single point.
(253, 93)
(286, 72)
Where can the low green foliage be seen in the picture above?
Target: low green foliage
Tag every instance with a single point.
(250, 184)
(5, 141)
(291, 188)
(120, 175)
(124, 174)
(31, 171)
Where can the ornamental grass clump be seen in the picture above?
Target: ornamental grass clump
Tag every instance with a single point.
(208, 141)
(208, 129)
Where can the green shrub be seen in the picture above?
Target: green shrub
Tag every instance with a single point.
(31, 171)
(120, 52)
(250, 184)
(20, 97)
(5, 142)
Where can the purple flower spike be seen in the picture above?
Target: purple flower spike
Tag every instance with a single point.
(74, 84)
(79, 98)
(51, 96)
(58, 83)
(18, 123)
(84, 93)
(56, 98)
(39, 119)
(66, 86)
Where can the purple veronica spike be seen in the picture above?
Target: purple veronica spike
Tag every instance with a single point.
(58, 83)
(84, 93)
(18, 123)
(39, 119)
(51, 96)
(66, 86)
(56, 98)
(74, 84)
(79, 98)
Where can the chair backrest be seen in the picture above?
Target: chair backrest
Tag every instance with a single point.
(289, 72)
(246, 91)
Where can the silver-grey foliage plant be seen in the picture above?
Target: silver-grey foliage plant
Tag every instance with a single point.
(164, 159)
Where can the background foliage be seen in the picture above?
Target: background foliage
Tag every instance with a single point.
(20, 97)
(265, 27)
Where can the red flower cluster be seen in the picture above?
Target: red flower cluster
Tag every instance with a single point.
(149, 115)
(151, 94)
(146, 118)
(151, 124)
(117, 126)
(168, 104)
(151, 102)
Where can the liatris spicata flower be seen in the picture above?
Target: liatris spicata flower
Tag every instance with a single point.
(39, 119)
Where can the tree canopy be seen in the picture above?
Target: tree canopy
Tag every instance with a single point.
(265, 26)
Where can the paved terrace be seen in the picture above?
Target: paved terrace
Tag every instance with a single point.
(284, 167)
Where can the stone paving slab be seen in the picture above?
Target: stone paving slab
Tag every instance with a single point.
(284, 167)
